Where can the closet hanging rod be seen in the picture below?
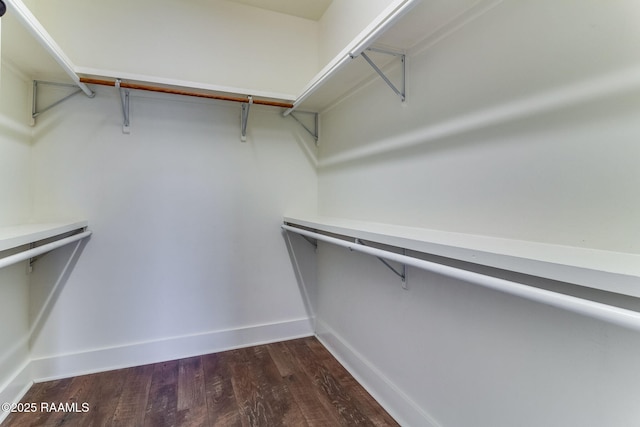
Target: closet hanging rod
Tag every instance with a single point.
(619, 316)
(172, 91)
(39, 250)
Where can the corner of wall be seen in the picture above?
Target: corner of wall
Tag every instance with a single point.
(404, 410)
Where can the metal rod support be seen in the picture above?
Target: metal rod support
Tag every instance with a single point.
(244, 118)
(38, 250)
(389, 266)
(399, 92)
(124, 99)
(34, 108)
(314, 132)
(311, 241)
(34, 100)
(615, 315)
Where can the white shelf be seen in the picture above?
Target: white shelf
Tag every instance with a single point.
(349, 77)
(606, 270)
(23, 234)
(420, 27)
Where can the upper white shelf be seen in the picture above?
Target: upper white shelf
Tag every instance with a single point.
(23, 234)
(402, 26)
(415, 25)
(353, 74)
(347, 70)
(609, 271)
(21, 50)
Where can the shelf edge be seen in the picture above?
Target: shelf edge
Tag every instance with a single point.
(22, 234)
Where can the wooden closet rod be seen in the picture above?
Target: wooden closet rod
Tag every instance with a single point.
(184, 92)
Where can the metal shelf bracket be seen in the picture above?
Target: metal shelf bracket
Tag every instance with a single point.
(312, 242)
(244, 117)
(34, 102)
(402, 274)
(32, 260)
(124, 99)
(401, 92)
(314, 132)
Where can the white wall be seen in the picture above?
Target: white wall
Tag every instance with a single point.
(521, 124)
(15, 207)
(452, 354)
(206, 41)
(15, 137)
(343, 21)
(185, 217)
(505, 118)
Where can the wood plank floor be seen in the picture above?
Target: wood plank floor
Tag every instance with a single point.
(291, 383)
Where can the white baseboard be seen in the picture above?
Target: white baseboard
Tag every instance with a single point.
(13, 390)
(391, 398)
(136, 354)
(401, 407)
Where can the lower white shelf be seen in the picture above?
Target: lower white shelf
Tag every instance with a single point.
(19, 235)
(606, 270)
(23, 234)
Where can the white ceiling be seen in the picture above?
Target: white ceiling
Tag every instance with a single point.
(309, 9)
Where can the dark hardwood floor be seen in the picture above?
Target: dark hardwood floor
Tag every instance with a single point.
(292, 383)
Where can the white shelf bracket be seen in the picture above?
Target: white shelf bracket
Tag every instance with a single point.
(244, 118)
(34, 101)
(402, 274)
(401, 92)
(314, 132)
(124, 100)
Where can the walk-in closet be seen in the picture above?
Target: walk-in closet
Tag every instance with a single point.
(320, 212)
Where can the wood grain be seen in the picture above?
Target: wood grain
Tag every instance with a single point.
(192, 400)
(162, 405)
(134, 395)
(292, 383)
(174, 91)
(302, 388)
(221, 402)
